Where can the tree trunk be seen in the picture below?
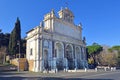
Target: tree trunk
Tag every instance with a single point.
(4, 58)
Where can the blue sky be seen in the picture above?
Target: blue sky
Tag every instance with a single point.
(100, 18)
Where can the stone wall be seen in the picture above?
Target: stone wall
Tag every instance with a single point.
(31, 65)
(23, 63)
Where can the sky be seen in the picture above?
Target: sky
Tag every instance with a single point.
(100, 18)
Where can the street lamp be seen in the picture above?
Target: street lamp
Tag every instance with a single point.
(18, 43)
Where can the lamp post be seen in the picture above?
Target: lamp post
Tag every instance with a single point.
(18, 43)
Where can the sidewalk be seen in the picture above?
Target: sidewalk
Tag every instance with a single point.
(7, 68)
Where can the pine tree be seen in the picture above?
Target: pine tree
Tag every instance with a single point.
(14, 38)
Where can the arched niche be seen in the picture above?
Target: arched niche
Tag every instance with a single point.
(69, 56)
(59, 50)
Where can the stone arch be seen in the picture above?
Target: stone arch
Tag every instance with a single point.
(69, 51)
(69, 55)
(59, 49)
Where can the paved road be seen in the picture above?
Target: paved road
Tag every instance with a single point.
(109, 75)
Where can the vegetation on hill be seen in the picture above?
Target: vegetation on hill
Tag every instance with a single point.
(9, 42)
(15, 39)
(4, 41)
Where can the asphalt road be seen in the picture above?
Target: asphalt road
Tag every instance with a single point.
(109, 75)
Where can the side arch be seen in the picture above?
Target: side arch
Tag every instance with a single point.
(69, 56)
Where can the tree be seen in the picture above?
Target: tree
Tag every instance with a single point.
(23, 47)
(107, 58)
(3, 51)
(14, 38)
(4, 41)
(93, 51)
(116, 49)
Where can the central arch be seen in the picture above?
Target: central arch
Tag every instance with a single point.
(59, 50)
(69, 56)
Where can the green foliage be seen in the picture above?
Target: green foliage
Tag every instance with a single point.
(4, 39)
(114, 48)
(23, 46)
(110, 50)
(14, 38)
(94, 49)
(92, 52)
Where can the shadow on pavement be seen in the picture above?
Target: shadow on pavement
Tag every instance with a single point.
(2, 74)
(45, 78)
